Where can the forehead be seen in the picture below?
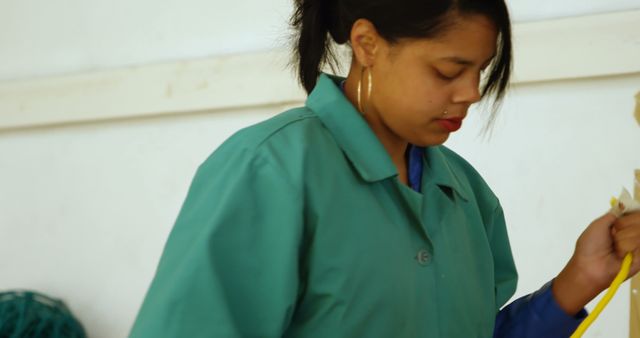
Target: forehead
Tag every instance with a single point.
(471, 37)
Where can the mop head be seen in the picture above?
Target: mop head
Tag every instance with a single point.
(624, 204)
(25, 314)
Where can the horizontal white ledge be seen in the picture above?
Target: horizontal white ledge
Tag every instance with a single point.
(572, 48)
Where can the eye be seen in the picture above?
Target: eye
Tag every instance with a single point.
(446, 77)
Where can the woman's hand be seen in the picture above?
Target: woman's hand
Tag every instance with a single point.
(602, 246)
(597, 259)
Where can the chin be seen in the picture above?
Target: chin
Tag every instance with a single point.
(431, 140)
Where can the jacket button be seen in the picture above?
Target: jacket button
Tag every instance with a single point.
(423, 257)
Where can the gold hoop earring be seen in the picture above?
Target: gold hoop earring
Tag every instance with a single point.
(360, 91)
(369, 88)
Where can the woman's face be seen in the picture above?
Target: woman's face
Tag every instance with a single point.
(415, 81)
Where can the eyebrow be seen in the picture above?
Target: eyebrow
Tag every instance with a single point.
(462, 61)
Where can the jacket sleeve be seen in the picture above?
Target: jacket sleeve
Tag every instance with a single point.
(536, 315)
(230, 265)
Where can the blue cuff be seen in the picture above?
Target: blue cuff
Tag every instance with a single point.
(536, 315)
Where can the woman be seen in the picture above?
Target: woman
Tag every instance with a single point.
(348, 218)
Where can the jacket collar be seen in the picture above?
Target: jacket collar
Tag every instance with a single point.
(350, 130)
(439, 170)
(361, 145)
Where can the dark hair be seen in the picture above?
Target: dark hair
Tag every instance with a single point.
(317, 20)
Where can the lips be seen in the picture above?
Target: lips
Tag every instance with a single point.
(451, 125)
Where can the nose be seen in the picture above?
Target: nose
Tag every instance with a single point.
(468, 91)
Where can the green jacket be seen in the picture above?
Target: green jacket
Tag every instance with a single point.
(299, 227)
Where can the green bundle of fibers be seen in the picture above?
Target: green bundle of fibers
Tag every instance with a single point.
(27, 314)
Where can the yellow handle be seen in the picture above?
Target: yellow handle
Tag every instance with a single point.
(620, 278)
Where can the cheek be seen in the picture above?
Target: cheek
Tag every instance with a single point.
(408, 96)
(423, 102)
(408, 106)
(424, 93)
(435, 93)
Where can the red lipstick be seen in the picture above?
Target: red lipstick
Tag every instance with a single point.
(451, 124)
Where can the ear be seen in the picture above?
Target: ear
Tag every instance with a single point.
(366, 43)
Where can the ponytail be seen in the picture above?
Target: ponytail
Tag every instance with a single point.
(312, 21)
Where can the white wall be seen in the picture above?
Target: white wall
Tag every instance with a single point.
(64, 36)
(528, 10)
(85, 206)
(41, 38)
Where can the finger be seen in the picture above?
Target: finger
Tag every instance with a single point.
(605, 221)
(627, 240)
(607, 218)
(629, 230)
(620, 251)
(626, 221)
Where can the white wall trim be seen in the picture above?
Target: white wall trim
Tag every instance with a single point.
(571, 48)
